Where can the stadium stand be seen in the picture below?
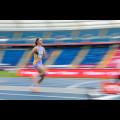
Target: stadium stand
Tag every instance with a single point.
(15, 42)
(67, 56)
(94, 56)
(7, 35)
(82, 55)
(100, 40)
(61, 34)
(31, 34)
(71, 36)
(12, 57)
(53, 57)
(113, 31)
(91, 33)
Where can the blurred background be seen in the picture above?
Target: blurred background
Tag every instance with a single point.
(77, 46)
(75, 43)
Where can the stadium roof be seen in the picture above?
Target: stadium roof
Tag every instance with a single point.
(51, 25)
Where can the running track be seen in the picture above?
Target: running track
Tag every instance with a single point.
(52, 89)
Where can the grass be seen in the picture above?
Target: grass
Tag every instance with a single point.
(8, 74)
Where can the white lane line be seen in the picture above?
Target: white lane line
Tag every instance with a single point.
(45, 89)
(4, 81)
(79, 84)
(107, 97)
(41, 96)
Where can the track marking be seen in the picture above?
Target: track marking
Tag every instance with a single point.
(79, 84)
(107, 97)
(45, 89)
(4, 81)
(43, 96)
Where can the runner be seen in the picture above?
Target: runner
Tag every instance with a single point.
(39, 52)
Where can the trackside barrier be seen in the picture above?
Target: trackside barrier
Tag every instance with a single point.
(81, 73)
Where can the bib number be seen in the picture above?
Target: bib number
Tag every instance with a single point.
(40, 53)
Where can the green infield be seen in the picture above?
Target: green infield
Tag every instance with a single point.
(8, 74)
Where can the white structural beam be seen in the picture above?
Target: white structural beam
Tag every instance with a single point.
(50, 25)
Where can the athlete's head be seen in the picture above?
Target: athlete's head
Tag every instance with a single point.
(38, 41)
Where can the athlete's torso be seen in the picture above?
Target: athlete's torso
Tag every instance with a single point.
(38, 55)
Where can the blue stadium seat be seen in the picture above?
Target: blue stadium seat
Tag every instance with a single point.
(100, 40)
(113, 31)
(91, 32)
(48, 41)
(64, 34)
(58, 34)
(15, 42)
(27, 34)
(94, 55)
(6, 34)
(12, 57)
(71, 41)
(66, 56)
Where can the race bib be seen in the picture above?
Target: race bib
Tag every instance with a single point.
(40, 54)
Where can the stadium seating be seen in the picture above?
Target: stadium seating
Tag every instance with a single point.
(31, 34)
(94, 55)
(59, 36)
(93, 32)
(15, 42)
(100, 40)
(113, 31)
(8, 35)
(48, 41)
(67, 56)
(71, 41)
(12, 57)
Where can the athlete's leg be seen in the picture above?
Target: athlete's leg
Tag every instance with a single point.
(33, 80)
(36, 65)
(42, 73)
(34, 85)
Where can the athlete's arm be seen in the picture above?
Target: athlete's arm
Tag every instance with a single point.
(31, 53)
(45, 54)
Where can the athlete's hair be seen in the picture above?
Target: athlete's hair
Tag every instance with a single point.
(36, 41)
